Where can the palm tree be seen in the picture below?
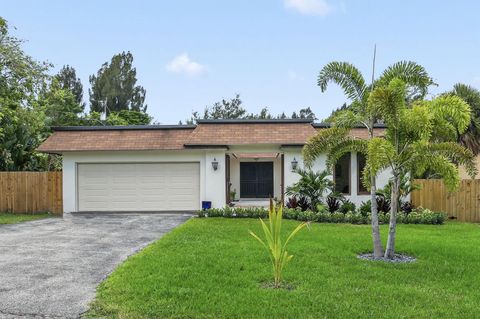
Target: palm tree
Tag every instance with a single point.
(312, 185)
(418, 138)
(350, 79)
(471, 138)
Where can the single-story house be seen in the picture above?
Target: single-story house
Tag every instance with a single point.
(177, 167)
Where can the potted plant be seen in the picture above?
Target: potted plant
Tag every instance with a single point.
(233, 194)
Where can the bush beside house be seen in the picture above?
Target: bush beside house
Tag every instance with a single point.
(416, 216)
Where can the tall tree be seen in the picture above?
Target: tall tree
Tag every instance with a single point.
(471, 137)
(60, 105)
(418, 138)
(356, 89)
(67, 80)
(305, 113)
(21, 123)
(114, 86)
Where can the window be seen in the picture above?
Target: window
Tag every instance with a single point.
(342, 174)
(361, 162)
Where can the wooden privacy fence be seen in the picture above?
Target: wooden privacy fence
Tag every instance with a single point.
(463, 204)
(31, 192)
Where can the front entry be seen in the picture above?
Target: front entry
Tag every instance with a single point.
(256, 179)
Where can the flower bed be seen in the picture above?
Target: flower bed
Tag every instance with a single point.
(417, 216)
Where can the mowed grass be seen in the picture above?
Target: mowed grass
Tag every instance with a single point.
(212, 268)
(6, 218)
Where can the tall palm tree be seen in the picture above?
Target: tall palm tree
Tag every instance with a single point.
(471, 137)
(356, 89)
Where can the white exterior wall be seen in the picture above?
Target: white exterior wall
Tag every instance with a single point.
(212, 183)
(320, 164)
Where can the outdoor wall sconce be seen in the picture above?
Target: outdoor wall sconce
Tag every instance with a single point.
(215, 164)
(294, 164)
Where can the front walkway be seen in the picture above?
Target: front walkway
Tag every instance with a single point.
(50, 268)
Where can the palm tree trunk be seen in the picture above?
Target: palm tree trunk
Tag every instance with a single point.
(392, 229)
(377, 243)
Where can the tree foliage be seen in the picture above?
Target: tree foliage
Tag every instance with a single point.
(228, 109)
(67, 80)
(115, 88)
(21, 123)
(312, 185)
(357, 112)
(471, 137)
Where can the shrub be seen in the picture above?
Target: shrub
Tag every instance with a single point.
(406, 207)
(311, 185)
(292, 202)
(291, 213)
(417, 216)
(323, 217)
(383, 204)
(337, 217)
(322, 208)
(333, 203)
(354, 218)
(366, 208)
(306, 216)
(347, 206)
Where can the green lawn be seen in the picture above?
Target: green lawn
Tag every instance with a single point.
(212, 268)
(18, 218)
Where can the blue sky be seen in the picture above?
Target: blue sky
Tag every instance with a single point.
(189, 54)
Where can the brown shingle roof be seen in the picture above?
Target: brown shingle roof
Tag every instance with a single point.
(115, 140)
(255, 133)
(206, 133)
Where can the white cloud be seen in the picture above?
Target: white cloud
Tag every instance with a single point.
(182, 64)
(309, 7)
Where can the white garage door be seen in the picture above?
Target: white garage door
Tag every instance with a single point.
(138, 187)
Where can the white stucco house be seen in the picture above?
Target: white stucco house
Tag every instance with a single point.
(177, 167)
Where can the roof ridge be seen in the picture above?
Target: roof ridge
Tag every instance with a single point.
(123, 127)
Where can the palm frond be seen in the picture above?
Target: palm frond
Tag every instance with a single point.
(453, 152)
(414, 75)
(343, 147)
(347, 119)
(347, 76)
(380, 153)
(387, 102)
(322, 143)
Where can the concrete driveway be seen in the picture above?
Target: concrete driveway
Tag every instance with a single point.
(50, 268)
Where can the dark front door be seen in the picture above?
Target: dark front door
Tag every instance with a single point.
(256, 179)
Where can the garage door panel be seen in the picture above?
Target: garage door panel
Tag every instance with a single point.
(138, 187)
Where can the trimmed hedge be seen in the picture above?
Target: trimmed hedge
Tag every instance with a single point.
(417, 216)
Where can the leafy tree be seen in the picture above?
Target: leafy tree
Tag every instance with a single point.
(114, 87)
(225, 109)
(67, 80)
(355, 87)
(60, 105)
(134, 117)
(23, 129)
(471, 137)
(233, 109)
(21, 123)
(305, 113)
